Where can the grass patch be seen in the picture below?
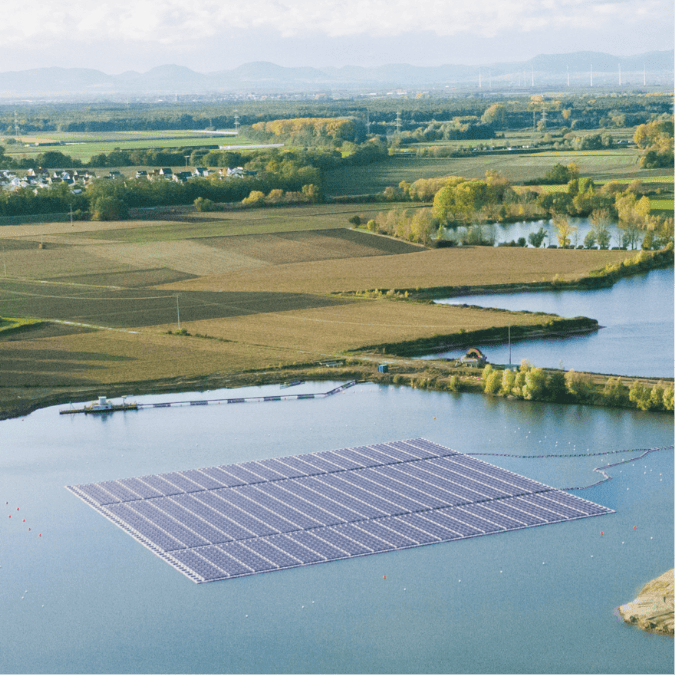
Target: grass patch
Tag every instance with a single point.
(10, 326)
(355, 180)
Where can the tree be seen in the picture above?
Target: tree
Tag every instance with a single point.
(422, 227)
(615, 392)
(495, 115)
(508, 380)
(109, 208)
(565, 230)
(535, 384)
(579, 385)
(640, 395)
(493, 383)
(556, 386)
(202, 204)
(633, 217)
(537, 238)
(600, 227)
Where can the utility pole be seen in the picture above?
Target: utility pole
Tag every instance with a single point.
(236, 123)
(398, 123)
(178, 312)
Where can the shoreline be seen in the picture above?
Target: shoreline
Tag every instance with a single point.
(652, 608)
(432, 375)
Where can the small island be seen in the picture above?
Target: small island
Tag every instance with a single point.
(652, 609)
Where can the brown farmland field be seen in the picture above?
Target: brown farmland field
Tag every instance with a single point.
(260, 283)
(462, 266)
(321, 331)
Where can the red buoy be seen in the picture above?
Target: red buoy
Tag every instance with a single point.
(385, 576)
(601, 533)
(635, 527)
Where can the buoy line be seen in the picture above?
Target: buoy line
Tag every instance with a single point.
(598, 469)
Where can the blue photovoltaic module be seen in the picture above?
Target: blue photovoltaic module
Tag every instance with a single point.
(240, 519)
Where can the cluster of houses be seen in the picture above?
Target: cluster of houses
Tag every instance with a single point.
(78, 179)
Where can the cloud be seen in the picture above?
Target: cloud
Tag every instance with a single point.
(177, 21)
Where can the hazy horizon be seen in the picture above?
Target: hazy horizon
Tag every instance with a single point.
(116, 36)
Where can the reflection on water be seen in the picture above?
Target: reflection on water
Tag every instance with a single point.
(636, 337)
(512, 232)
(85, 597)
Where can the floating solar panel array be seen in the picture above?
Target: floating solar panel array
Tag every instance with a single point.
(241, 519)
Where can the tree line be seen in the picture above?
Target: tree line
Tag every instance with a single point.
(473, 203)
(536, 384)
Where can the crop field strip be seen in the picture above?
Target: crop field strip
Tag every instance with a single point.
(132, 308)
(258, 516)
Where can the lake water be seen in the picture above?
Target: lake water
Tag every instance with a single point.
(514, 231)
(636, 338)
(86, 597)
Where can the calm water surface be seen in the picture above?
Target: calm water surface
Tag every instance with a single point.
(514, 231)
(636, 338)
(86, 597)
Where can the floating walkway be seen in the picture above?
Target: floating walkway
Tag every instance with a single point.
(110, 407)
(248, 399)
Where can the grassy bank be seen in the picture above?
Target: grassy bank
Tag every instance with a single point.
(441, 376)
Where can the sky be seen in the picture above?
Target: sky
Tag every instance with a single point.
(211, 35)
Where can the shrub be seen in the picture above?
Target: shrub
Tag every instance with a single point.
(203, 204)
(579, 385)
(454, 383)
(556, 386)
(535, 384)
(615, 392)
(493, 383)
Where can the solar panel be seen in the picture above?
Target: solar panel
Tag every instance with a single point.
(241, 519)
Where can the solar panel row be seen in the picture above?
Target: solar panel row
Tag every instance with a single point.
(234, 520)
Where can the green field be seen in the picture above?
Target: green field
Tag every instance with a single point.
(374, 178)
(83, 146)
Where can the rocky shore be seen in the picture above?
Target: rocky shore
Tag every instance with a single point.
(652, 609)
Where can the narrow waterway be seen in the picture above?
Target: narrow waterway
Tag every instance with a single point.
(636, 338)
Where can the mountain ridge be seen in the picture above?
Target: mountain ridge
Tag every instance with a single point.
(264, 75)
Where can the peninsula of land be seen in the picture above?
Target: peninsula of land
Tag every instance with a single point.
(652, 609)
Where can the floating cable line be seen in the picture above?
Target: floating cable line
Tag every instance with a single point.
(601, 470)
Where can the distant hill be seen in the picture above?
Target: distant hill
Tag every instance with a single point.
(260, 76)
